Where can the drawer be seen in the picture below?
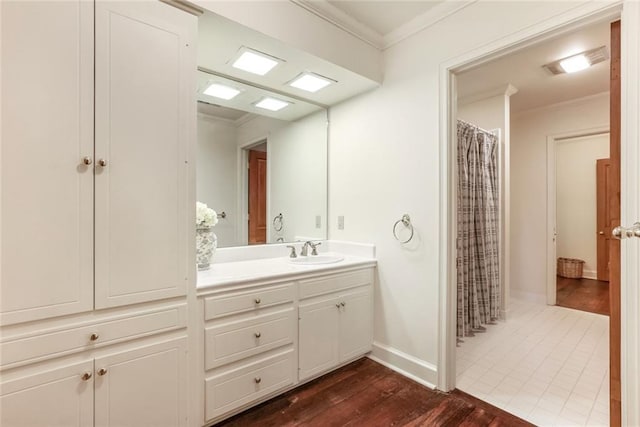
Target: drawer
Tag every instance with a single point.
(327, 284)
(229, 341)
(237, 387)
(223, 305)
(58, 343)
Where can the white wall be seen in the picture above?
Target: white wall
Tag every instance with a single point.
(216, 173)
(489, 113)
(576, 218)
(385, 161)
(529, 132)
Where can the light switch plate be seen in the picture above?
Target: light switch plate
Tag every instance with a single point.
(341, 222)
(318, 221)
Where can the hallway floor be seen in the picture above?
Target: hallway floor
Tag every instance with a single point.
(583, 294)
(547, 364)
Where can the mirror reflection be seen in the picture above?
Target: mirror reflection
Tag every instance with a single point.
(265, 177)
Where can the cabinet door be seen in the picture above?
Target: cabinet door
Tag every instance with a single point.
(46, 196)
(318, 337)
(57, 397)
(356, 324)
(143, 387)
(145, 65)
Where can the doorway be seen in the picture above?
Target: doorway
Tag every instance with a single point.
(496, 378)
(256, 192)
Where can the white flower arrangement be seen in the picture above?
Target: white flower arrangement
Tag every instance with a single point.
(205, 216)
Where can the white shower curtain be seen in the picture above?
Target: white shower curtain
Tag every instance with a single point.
(478, 273)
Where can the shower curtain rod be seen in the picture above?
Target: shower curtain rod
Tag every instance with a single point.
(494, 133)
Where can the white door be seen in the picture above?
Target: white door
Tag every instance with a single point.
(318, 336)
(145, 65)
(356, 324)
(46, 197)
(57, 398)
(143, 387)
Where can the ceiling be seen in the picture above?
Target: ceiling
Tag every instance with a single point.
(536, 86)
(384, 16)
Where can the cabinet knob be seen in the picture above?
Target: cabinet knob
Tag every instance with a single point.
(258, 334)
(102, 162)
(86, 376)
(338, 305)
(87, 160)
(94, 337)
(258, 300)
(257, 380)
(343, 303)
(102, 371)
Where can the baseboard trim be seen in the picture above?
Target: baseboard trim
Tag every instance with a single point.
(411, 367)
(590, 274)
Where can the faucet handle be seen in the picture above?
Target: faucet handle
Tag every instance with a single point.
(313, 247)
(293, 251)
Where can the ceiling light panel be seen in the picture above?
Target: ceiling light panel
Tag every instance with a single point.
(578, 62)
(272, 104)
(255, 62)
(221, 91)
(311, 82)
(575, 63)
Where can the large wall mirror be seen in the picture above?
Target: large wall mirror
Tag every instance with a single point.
(262, 152)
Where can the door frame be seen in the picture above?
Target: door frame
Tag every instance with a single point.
(581, 15)
(552, 142)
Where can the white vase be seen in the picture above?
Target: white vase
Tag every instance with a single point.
(206, 244)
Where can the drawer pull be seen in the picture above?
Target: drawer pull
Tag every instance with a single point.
(338, 305)
(257, 380)
(343, 303)
(258, 300)
(86, 376)
(102, 371)
(258, 334)
(94, 337)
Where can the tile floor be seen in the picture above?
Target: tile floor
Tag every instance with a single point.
(546, 364)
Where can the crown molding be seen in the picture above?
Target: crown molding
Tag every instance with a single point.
(502, 90)
(328, 12)
(421, 22)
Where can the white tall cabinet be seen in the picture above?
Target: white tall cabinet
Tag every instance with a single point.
(95, 212)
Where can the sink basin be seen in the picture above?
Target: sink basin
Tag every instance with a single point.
(316, 259)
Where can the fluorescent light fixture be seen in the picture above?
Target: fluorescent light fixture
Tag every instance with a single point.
(255, 62)
(579, 61)
(272, 104)
(221, 91)
(575, 63)
(310, 82)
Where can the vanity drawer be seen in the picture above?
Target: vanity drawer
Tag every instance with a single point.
(229, 341)
(108, 331)
(223, 305)
(327, 284)
(232, 389)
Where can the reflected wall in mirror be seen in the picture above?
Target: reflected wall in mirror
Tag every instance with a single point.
(268, 175)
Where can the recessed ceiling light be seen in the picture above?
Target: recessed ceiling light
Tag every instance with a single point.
(272, 104)
(255, 62)
(575, 63)
(221, 91)
(311, 82)
(579, 61)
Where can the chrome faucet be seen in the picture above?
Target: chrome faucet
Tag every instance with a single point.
(292, 254)
(305, 248)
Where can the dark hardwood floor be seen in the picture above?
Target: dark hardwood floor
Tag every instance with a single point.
(365, 393)
(583, 294)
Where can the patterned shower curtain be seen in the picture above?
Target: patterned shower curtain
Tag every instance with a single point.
(478, 274)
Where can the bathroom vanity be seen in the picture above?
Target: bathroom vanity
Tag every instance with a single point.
(271, 324)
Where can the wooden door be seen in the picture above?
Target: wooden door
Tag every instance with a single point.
(613, 208)
(318, 336)
(145, 59)
(46, 224)
(143, 387)
(356, 324)
(257, 197)
(603, 229)
(53, 397)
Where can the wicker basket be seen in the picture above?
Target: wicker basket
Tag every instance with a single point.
(570, 267)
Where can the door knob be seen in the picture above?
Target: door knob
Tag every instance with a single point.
(601, 233)
(625, 233)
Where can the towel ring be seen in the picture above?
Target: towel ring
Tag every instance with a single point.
(277, 222)
(406, 221)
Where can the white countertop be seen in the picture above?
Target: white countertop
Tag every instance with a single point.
(227, 273)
